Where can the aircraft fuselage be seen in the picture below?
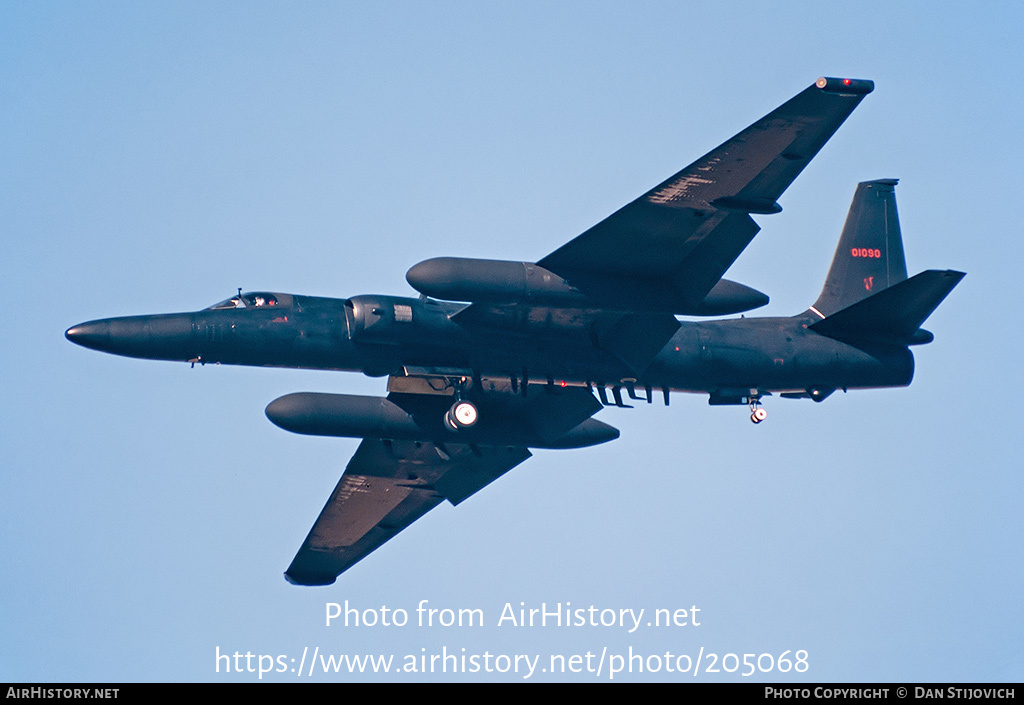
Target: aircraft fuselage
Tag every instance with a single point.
(543, 345)
(382, 335)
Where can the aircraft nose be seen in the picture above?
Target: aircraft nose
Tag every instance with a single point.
(160, 337)
(94, 334)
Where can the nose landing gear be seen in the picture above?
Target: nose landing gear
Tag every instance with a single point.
(462, 414)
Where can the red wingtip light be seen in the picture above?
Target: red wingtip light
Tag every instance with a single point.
(845, 86)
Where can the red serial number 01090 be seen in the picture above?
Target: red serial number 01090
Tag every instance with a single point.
(865, 252)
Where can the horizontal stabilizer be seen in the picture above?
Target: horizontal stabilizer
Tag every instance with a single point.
(894, 314)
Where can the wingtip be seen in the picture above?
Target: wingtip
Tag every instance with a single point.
(310, 580)
(855, 86)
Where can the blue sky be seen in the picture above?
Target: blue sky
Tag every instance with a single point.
(156, 156)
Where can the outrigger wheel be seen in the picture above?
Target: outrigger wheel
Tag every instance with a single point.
(463, 414)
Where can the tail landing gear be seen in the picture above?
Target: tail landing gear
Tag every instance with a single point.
(757, 412)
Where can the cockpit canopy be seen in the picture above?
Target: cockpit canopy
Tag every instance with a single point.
(255, 299)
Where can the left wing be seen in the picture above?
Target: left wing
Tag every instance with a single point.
(392, 482)
(387, 486)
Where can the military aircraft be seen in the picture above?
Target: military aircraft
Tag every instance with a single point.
(495, 358)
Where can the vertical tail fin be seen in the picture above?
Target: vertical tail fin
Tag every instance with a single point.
(867, 296)
(869, 257)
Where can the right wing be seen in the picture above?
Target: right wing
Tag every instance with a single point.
(665, 252)
(669, 247)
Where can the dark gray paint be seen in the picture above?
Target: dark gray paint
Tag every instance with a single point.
(542, 346)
